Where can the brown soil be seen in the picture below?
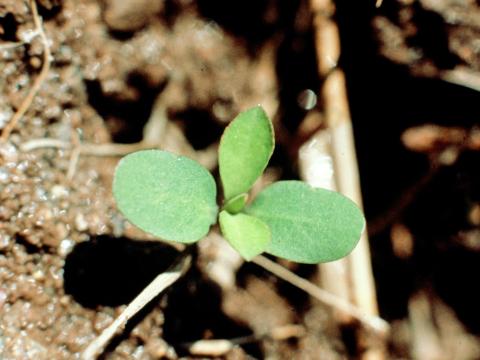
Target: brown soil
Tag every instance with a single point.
(69, 262)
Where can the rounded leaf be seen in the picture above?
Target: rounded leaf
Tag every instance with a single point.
(247, 234)
(169, 196)
(245, 148)
(308, 225)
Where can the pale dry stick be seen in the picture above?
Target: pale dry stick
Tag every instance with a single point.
(160, 283)
(11, 45)
(154, 137)
(155, 128)
(109, 149)
(74, 156)
(462, 76)
(373, 322)
(334, 275)
(72, 166)
(426, 343)
(316, 167)
(358, 270)
(220, 347)
(338, 119)
(153, 132)
(38, 81)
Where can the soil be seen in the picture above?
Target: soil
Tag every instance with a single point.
(69, 262)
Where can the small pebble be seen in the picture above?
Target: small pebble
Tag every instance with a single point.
(65, 247)
(59, 191)
(80, 223)
(307, 99)
(4, 241)
(3, 298)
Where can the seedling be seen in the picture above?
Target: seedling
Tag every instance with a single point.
(174, 198)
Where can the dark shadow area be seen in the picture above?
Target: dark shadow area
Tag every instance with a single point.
(432, 37)
(439, 214)
(199, 127)
(282, 158)
(127, 116)
(194, 310)
(349, 335)
(173, 9)
(455, 280)
(9, 26)
(253, 21)
(28, 246)
(385, 100)
(395, 278)
(112, 271)
(441, 209)
(123, 35)
(49, 9)
(296, 65)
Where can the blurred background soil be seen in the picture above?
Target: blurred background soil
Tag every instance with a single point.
(69, 262)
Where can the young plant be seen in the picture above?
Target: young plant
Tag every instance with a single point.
(174, 198)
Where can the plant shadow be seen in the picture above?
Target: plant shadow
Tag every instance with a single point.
(112, 271)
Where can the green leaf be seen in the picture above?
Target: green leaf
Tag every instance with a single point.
(236, 204)
(309, 225)
(247, 234)
(169, 196)
(245, 148)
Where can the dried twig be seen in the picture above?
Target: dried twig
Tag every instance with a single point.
(157, 133)
(426, 343)
(160, 283)
(109, 149)
(153, 133)
(220, 347)
(463, 76)
(11, 45)
(74, 156)
(354, 272)
(338, 120)
(373, 322)
(38, 81)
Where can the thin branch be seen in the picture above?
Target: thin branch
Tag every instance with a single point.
(72, 166)
(373, 322)
(160, 283)
(38, 81)
(462, 76)
(74, 156)
(204, 157)
(220, 347)
(338, 120)
(11, 45)
(109, 149)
